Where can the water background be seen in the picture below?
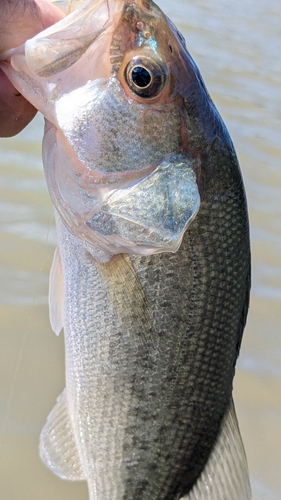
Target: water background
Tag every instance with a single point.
(237, 46)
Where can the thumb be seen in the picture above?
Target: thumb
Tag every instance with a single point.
(20, 20)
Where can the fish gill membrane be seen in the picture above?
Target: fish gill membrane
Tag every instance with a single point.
(151, 277)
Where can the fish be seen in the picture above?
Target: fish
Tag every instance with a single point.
(151, 276)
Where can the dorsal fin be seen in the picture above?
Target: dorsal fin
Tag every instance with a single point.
(56, 293)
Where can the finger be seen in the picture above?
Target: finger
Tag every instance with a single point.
(23, 19)
(15, 111)
(49, 13)
(20, 20)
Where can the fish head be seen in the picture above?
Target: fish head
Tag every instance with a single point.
(111, 78)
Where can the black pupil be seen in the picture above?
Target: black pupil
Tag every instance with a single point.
(141, 77)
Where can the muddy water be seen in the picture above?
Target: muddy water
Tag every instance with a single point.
(237, 46)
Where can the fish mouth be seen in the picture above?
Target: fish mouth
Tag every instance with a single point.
(60, 46)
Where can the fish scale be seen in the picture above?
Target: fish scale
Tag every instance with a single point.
(204, 349)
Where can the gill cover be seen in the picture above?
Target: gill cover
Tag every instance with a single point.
(152, 214)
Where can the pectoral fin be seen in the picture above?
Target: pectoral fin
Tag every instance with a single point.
(225, 476)
(57, 446)
(128, 300)
(56, 294)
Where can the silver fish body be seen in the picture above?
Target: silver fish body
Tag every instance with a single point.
(151, 278)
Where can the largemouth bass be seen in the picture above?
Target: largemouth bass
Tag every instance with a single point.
(150, 280)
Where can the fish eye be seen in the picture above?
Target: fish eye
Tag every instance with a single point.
(141, 77)
(145, 76)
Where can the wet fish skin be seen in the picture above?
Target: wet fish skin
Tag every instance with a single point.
(151, 340)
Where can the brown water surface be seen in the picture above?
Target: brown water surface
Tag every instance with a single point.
(237, 46)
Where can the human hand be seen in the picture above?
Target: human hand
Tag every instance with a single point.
(19, 21)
